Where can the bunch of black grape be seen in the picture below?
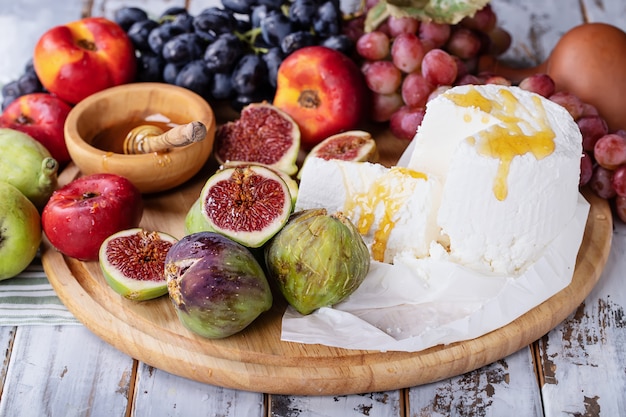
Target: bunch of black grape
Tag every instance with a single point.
(231, 52)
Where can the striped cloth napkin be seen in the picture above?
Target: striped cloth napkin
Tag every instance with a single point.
(29, 299)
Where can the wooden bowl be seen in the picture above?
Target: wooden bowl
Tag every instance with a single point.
(132, 103)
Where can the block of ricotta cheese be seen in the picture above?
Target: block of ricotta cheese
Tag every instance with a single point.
(509, 164)
(393, 208)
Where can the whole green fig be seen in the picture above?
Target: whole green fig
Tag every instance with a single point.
(317, 259)
(27, 165)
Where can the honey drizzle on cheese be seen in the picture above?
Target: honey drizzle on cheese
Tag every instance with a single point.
(507, 139)
(367, 201)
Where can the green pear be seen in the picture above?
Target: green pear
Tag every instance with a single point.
(20, 231)
(27, 165)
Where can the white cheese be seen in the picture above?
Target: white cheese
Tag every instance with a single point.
(500, 181)
(394, 209)
(503, 200)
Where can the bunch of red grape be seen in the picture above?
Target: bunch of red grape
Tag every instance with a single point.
(406, 62)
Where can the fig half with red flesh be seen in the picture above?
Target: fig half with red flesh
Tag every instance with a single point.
(262, 134)
(133, 263)
(246, 204)
(354, 145)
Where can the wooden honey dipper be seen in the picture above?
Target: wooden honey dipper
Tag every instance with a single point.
(148, 138)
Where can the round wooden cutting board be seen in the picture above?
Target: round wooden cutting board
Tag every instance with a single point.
(257, 360)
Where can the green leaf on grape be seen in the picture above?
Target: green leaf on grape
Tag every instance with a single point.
(439, 11)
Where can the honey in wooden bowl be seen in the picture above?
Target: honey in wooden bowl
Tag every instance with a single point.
(112, 138)
(127, 106)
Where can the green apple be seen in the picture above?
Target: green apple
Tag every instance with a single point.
(20, 231)
(26, 164)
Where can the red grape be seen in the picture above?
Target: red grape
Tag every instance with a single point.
(586, 169)
(600, 182)
(382, 77)
(500, 41)
(384, 105)
(592, 128)
(498, 80)
(572, 103)
(463, 43)
(618, 180)
(435, 34)
(407, 52)
(541, 84)
(438, 67)
(404, 122)
(405, 24)
(610, 151)
(373, 45)
(483, 20)
(415, 90)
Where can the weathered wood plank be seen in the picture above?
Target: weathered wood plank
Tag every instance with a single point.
(607, 11)
(160, 393)
(21, 25)
(7, 335)
(379, 404)
(65, 371)
(534, 28)
(507, 387)
(583, 360)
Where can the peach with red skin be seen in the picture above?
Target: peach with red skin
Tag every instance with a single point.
(82, 214)
(323, 91)
(41, 116)
(83, 57)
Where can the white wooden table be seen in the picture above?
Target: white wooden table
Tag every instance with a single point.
(578, 369)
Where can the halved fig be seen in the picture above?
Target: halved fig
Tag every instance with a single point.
(291, 183)
(353, 145)
(263, 134)
(195, 220)
(246, 204)
(133, 263)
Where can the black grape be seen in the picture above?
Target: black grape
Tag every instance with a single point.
(221, 86)
(297, 40)
(273, 58)
(223, 54)
(170, 72)
(341, 43)
(274, 27)
(139, 32)
(149, 67)
(302, 13)
(29, 83)
(185, 47)
(160, 35)
(239, 6)
(327, 21)
(213, 21)
(249, 75)
(127, 16)
(194, 77)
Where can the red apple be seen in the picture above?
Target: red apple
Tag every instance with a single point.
(82, 214)
(41, 116)
(323, 91)
(83, 57)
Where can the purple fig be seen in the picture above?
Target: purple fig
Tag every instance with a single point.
(216, 284)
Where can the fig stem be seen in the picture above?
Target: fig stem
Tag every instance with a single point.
(182, 135)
